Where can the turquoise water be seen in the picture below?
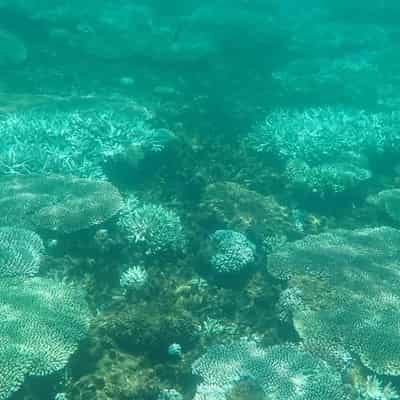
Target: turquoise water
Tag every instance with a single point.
(199, 201)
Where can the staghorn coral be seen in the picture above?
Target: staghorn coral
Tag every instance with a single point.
(313, 135)
(78, 141)
(21, 252)
(350, 284)
(56, 203)
(285, 372)
(321, 135)
(42, 323)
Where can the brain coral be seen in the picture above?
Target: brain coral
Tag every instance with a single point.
(350, 283)
(283, 372)
(56, 203)
(20, 252)
(41, 323)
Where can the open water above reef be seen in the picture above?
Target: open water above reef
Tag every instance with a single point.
(199, 200)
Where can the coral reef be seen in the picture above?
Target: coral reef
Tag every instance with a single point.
(357, 271)
(49, 203)
(199, 200)
(21, 252)
(326, 179)
(232, 206)
(388, 201)
(373, 388)
(133, 278)
(75, 142)
(286, 134)
(233, 252)
(118, 375)
(284, 372)
(42, 323)
(152, 226)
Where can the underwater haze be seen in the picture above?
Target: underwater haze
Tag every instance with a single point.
(199, 200)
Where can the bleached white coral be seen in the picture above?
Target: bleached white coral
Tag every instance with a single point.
(154, 227)
(233, 252)
(133, 278)
(373, 389)
(282, 372)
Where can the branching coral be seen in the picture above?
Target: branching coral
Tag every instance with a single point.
(327, 178)
(77, 142)
(133, 278)
(321, 135)
(153, 227)
(373, 389)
